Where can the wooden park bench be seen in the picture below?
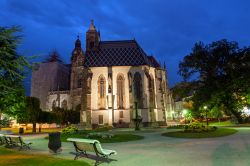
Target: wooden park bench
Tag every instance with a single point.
(2, 139)
(84, 147)
(16, 141)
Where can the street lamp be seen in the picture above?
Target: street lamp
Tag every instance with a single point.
(184, 112)
(205, 108)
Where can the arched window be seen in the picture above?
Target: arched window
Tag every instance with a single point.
(120, 91)
(138, 89)
(53, 104)
(64, 104)
(151, 88)
(102, 92)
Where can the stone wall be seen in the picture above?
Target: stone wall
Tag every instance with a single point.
(47, 77)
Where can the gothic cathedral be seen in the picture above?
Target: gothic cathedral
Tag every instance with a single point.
(108, 83)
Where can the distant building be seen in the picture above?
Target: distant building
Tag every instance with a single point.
(104, 83)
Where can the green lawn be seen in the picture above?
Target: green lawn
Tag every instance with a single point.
(220, 132)
(15, 158)
(115, 138)
(29, 131)
(223, 123)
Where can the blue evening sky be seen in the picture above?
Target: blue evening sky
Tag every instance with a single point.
(166, 29)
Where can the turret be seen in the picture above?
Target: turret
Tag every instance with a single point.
(92, 37)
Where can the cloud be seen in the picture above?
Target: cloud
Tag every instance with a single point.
(166, 29)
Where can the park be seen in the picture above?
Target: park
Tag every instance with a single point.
(124, 83)
(151, 148)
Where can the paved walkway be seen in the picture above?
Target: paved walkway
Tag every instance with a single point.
(156, 150)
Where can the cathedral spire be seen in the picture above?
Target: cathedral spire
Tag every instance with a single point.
(92, 26)
(78, 42)
(77, 53)
(92, 37)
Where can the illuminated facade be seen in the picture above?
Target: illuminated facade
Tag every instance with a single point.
(106, 80)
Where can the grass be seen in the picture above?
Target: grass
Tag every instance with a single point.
(29, 131)
(14, 158)
(222, 123)
(220, 132)
(115, 138)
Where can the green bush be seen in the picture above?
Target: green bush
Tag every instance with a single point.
(70, 130)
(99, 136)
(198, 127)
(5, 122)
(176, 126)
(102, 129)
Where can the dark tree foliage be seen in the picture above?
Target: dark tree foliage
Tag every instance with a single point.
(221, 72)
(31, 113)
(183, 90)
(54, 56)
(12, 72)
(65, 116)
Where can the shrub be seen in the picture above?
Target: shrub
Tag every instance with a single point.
(176, 126)
(198, 127)
(70, 130)
(105, 128)
(99, 136)
(5, 122)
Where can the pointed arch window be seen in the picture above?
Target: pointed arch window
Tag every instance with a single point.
(64, 104)
(120, 91)
(102, 92)
(151, 92)
(53, 104)
(138, 89)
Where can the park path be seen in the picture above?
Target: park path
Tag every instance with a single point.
(156, 150)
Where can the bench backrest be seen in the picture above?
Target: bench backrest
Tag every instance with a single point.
(2, 139)
(85, 146)
(15, 139)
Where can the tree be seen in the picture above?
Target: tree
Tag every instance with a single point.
(65, 116)
(54, 56)
(32, 112)
(12, 72)
(220, 71)
(183, 90)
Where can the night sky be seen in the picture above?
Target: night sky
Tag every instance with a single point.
(166, 29)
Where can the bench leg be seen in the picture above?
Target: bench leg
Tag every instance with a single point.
(79, 154)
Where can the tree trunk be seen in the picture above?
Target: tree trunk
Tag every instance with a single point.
(0, 119)
(40, 128)
(34, 127)
(206, 119)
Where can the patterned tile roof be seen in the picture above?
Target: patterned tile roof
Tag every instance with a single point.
(153, 62)
(118, 53)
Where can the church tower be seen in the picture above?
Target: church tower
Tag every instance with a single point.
(92, 37)
(76, 77)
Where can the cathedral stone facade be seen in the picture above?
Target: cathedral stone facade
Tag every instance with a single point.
(106, 83)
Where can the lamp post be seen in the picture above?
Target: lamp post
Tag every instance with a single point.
(184, 112)
(205, 108)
